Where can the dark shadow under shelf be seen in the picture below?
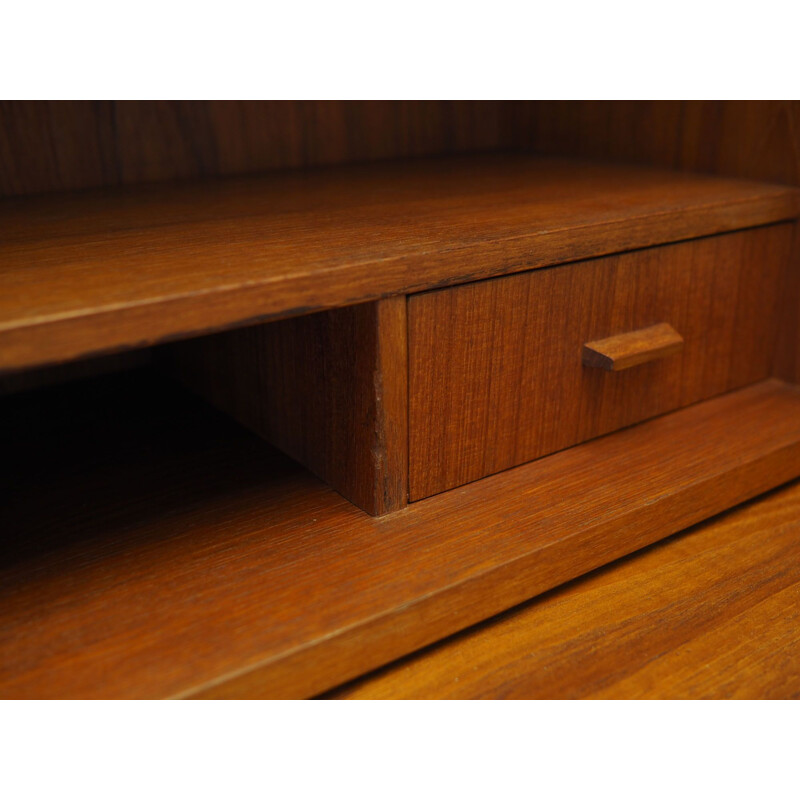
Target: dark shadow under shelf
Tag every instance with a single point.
(153, 548)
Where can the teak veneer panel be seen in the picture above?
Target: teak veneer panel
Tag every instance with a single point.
(710, 613)
(329, 389)
(50, 145)
(495, 367)
(88, 272)
(787, 355)
(178, 555)
(757, 139)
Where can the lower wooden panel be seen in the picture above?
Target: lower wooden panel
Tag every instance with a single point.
(711, 613)
(179, 556)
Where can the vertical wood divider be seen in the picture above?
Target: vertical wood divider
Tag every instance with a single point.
(330, 389)
(787, 354)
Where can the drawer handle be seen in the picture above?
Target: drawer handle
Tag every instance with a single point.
(629, 349)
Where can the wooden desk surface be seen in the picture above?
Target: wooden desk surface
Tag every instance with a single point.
(713, 612)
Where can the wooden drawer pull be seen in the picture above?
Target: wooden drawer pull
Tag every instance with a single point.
(629, 349)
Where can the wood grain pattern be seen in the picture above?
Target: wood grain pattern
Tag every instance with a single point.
(495, 373)
(759, 140)
(787, 353)
(329, 389)
(177, 555)
(96, 272)
(127, 581)
(710, 613)
(235, 137)
(52, 146)
(626, 350)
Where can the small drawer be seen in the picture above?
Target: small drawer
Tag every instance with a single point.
(507, 370)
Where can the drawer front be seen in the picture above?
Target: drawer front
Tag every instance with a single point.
(496, 369)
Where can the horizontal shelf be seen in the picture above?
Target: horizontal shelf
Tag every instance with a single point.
(713, 612)
(153, 548)
(103, 270)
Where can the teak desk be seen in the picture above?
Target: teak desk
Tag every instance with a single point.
(488, 375)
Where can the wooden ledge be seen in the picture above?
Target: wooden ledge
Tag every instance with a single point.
(183, 558)
(98, 271)
(712, 613)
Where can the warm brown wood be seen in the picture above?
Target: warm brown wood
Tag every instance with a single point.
(495, 373)
(711, 613)
(131, 552)
(177, 555)
(47, 146)
(95, 272)
(759, 140)
(787, 355)
(630, 349)
(50, 146)
(329, 389)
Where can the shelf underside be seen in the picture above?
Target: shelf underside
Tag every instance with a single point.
(153, 548)
(103, 270)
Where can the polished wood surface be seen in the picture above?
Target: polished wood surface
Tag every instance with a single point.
(758, 140)
(92, 272)
(713, 612)
(329, 389)
(626, 350)
(495, 372)
(178, 555)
